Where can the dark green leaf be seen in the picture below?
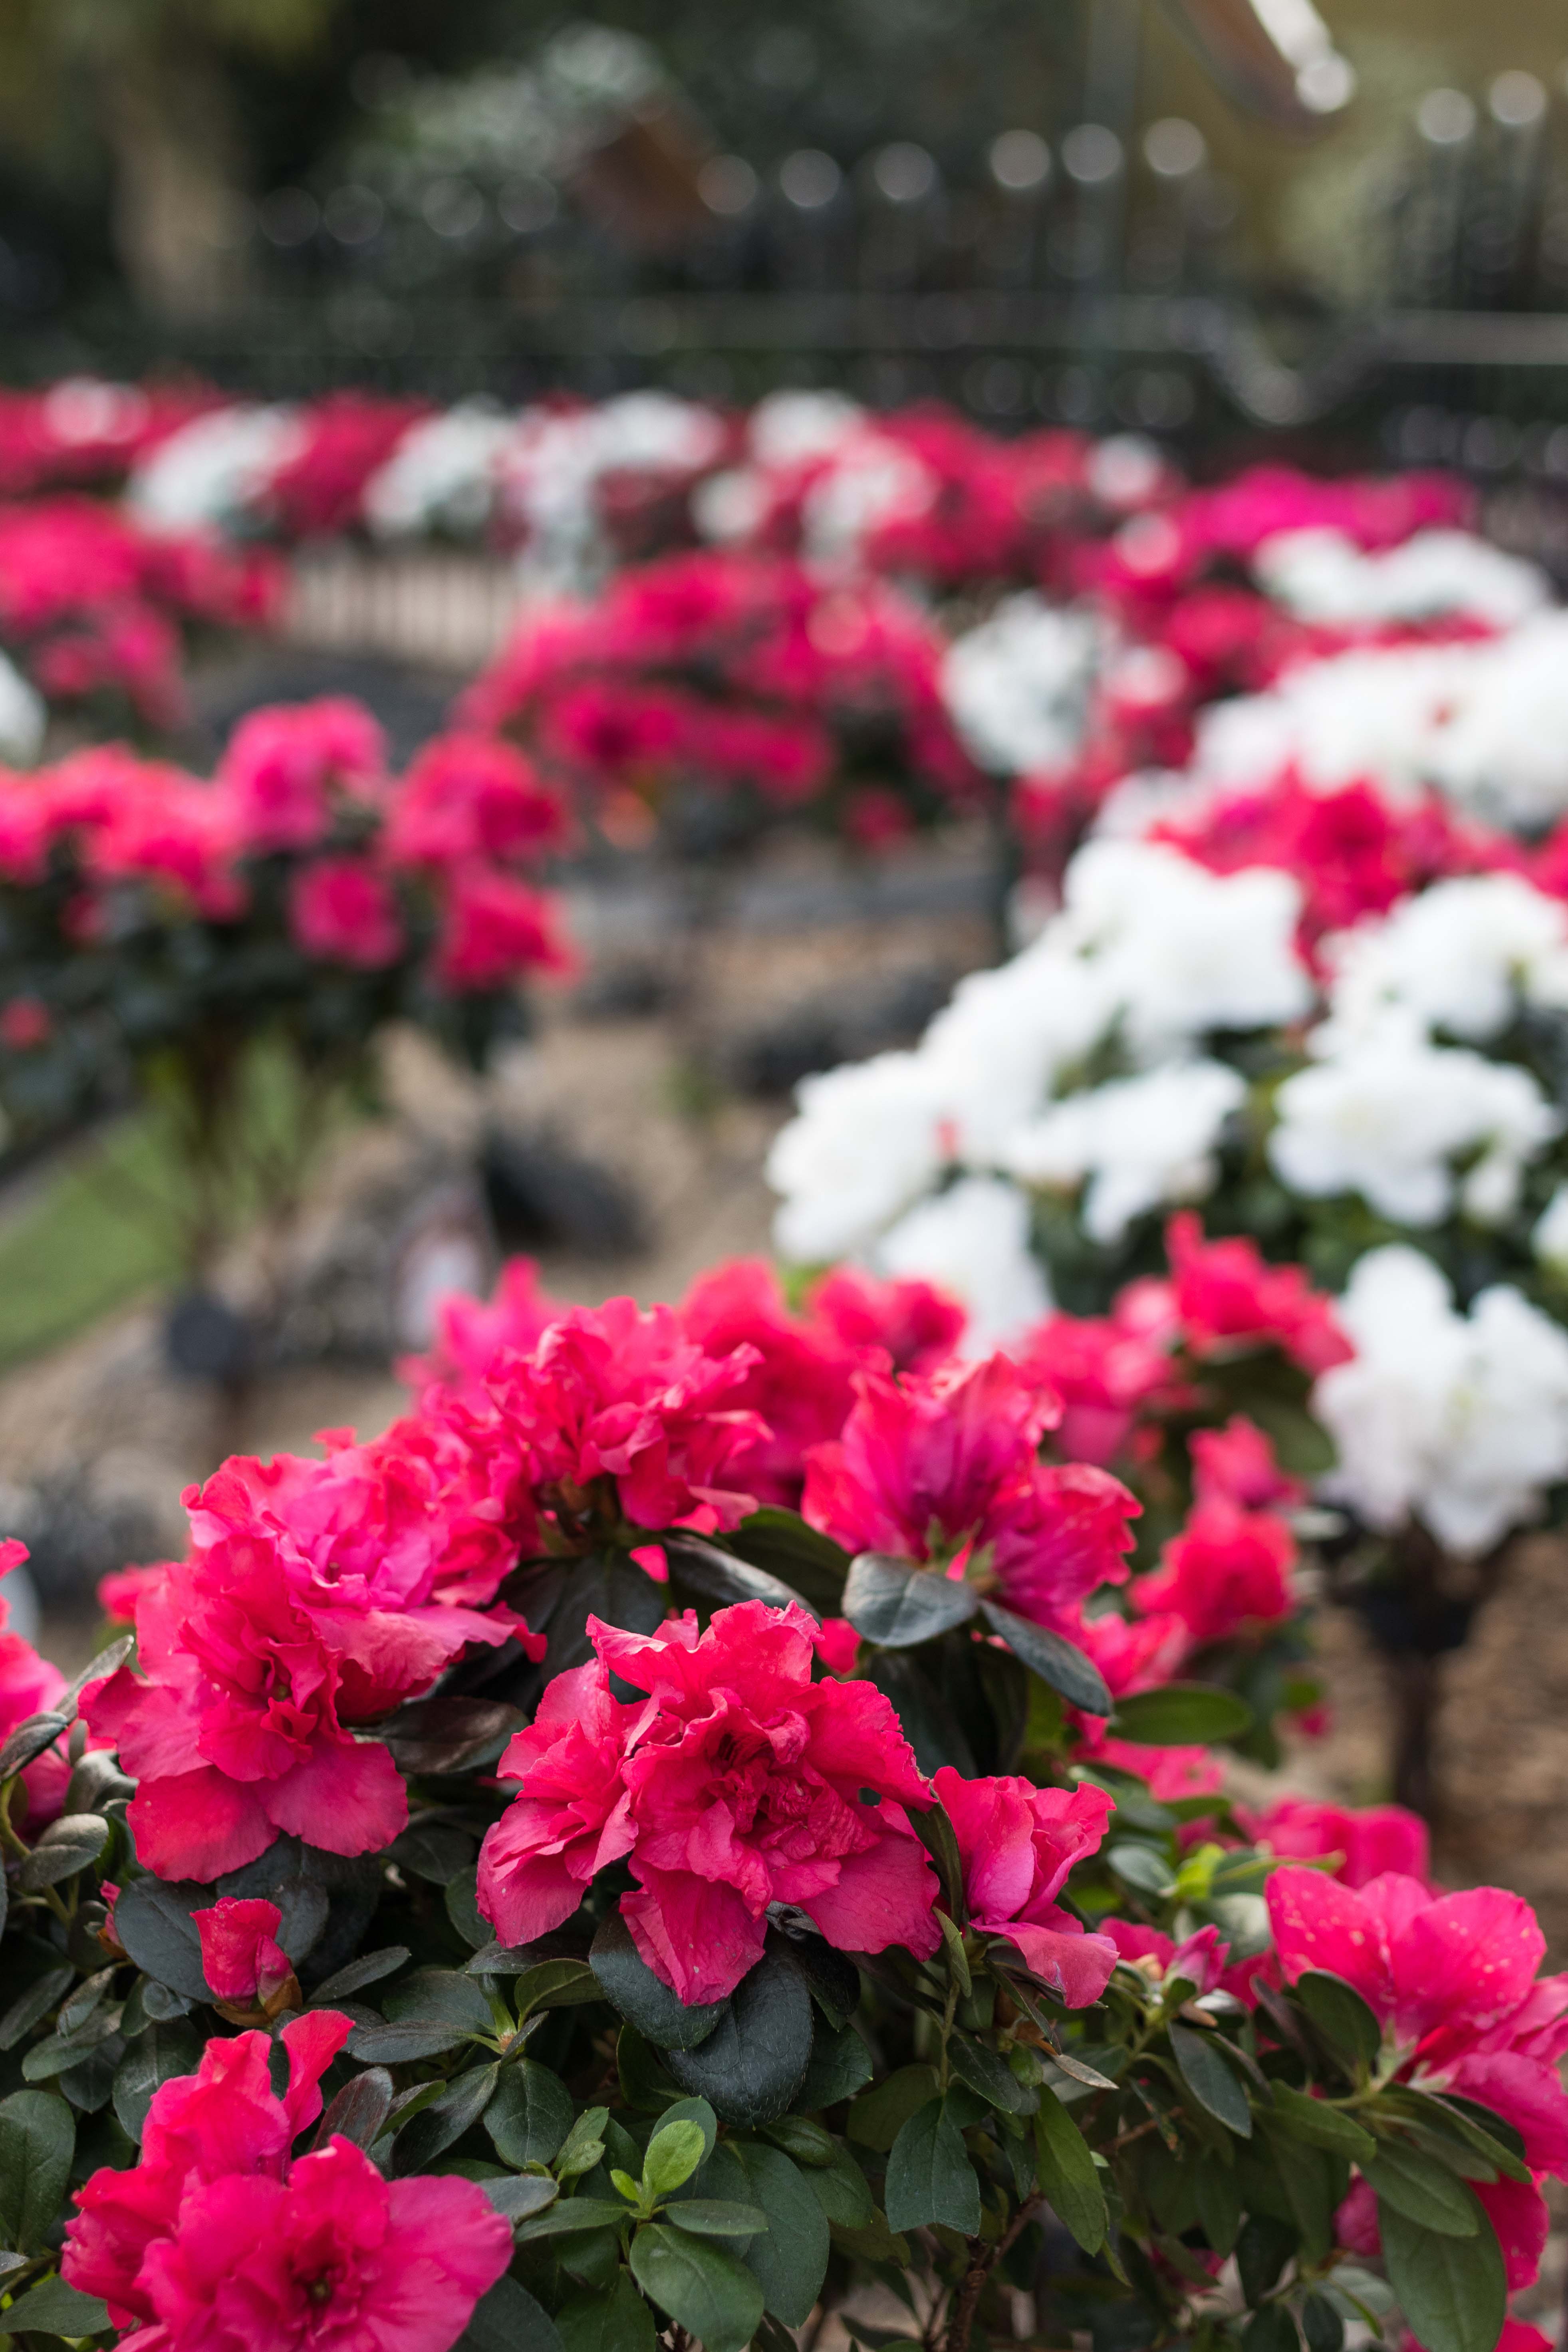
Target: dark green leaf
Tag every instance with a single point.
(929, 2176)
(572, 2216)
(935, 1833)
(434, 1850)
(1343, 2018)
(1068, 2175)
(643, 1998)
(1272, 2329)
(790, 2261)
(716, 2217)
(1452, 2291)
(1182, 1715)
(554, 1984)
(359, 2111)
(781, 1542)
(38, 2141)
(707, 2290)
(530, 2115)
(841, 2065)
(703, 1569)
(1322, 2324)
(31, 2004)
(842, 2191)
(1495, 2131)
(152, 1922)
(619, 2321)
(53, 2308)
(1142, 1868)
(1056, 1661)
(1210, 2079)
(29, 1739)
(449, 1735)
(1218, 2200)
(508, 2319)
(929, 1721)
(876, 2120)
(619, 1594)
(991, 2077)
(832, 1977)
(1263, 2249)
(522, 2194)
(398, 2045)
(158, 2055)
(1315, 2183)
(1423, 2191)
(441, 1997)
(898, 1605)
(1323, 2126)
(752, 2065)
(368, 1970)
(444, 2122)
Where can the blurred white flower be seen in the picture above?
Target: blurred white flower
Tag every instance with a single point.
(872, 480)
(791, 428)
(22, 717)
(1322, 575)
(866, 1142)
(1549, 1238)
(1387, 1114)
(214, 471)
(1017, 687)
(444, 474)
(1460, 1421)
(1460, 956)
(974, 1241)
(1142, 1143)
(1183, 951)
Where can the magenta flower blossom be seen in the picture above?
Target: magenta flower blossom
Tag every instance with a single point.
(739, 1782)
(944, 1469)
(1017, 1844)
(241, 1959)
(218, 2243)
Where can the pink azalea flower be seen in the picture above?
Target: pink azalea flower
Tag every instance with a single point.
(218, 2243)
(934, 1468)
(1227, 1572)
(282, 765)
(1228, 1299)
(1203, 1958)
(471, 797)
(241, 1959)
(739, 1782)
(1368, 1840)
(1017, 1844)
(621, 1393)
(798, 1383)
(495, 928)
(1237, 1463)
(341, 910)
(30, 1684)
(473, 1334)
(917, 1324)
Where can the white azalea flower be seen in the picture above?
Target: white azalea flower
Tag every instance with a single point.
(1460, 1421)
(1322, 575)
(1017, 687)
(1386, 1114)
(1142, 1143)
(443, 474)
(24, 716)
(1460, 956)
(867, 1141)
(217, 469)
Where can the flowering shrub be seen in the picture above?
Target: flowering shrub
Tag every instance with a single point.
(156, 930)
(94, 609)
(512, 1889)
(719, 690)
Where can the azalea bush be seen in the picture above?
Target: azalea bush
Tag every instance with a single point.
(509, 1892)
(714, 693)
(1354, 1075)
(160, 932)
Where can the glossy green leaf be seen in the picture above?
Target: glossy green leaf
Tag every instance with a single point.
(530, 2115)
(618, 2321)
(929, 2176)
(1453, 2290)
(630, 1985)
(1056, 1661)
(990, 2076)
(702, 2287)
(444, 2122)
(1321, 2125)
(1423, 2191)
(1341, 2017)
(750, 2066)
(509, 2319)
(674, 2153)
(840, 2066)
(898, 1605)
(716, 2217)
(38, 2141)
(53, 2308)
(790, 2261)
(156, 2055)
(1068, 2175)
(1182, 1715)
(1210, 2078)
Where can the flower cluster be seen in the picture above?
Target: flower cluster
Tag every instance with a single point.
(301, 891)
(95, 609)
(743, 684)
